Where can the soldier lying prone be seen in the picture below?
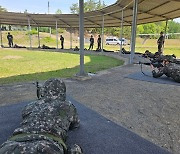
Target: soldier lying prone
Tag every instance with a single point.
(45, 124)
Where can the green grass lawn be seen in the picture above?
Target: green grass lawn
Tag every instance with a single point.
(23, 65)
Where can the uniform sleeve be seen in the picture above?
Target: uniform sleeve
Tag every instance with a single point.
(157, 74)
(74, 117)
(176, 75)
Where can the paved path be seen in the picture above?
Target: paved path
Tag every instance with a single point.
(148, 109)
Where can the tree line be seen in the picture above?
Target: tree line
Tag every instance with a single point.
(150, 28)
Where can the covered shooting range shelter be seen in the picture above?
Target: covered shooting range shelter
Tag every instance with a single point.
(122, 13)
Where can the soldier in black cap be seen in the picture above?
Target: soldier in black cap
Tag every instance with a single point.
(10, 39)
(99, 42)
(91, 43)
(62, 41)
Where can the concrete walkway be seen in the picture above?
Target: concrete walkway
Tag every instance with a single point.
(149, 109)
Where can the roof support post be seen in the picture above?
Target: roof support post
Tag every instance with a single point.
(133, 31)
(1, 36)
(29, 28)
(121, 35)
(39, 44)
(56, 35)
(102, 42)
(70, 37)
(165, 36)
(81, 35)
(50, 31)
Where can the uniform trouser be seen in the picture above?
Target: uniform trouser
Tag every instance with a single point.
(159, 47)
(62, 45)
(10, 43)
(91, 46)
(99, 46)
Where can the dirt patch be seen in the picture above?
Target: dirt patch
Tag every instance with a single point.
(12, 57)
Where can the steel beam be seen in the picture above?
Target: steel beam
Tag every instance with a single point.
(121, 36)
(56, 35)
(39, 43)
(1, 37)
(133, 31)
(102, 42)
(29, 28)
(70, 37)
(81, 35)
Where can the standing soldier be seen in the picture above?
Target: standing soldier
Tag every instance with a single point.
(160, 42)
(62, 41)
(10, 39)
(99, 42)
(91, 43)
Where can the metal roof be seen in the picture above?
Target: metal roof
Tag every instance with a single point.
(148, 11)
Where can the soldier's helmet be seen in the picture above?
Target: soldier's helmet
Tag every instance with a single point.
(168, 58)
(54, 89)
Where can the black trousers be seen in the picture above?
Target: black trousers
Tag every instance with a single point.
(160, 47)
(10, 42)
(99, 46)
(62, 45)
(91, 46)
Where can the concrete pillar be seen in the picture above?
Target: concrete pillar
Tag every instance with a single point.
(165, 36)
(121, 35)
(81, 36)
(56, 35)
(1, 37)
(39, 44)
(29, 28)
(102, 42)
(133, 31)
(70, 38)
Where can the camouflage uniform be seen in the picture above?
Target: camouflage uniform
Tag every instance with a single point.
(45, 124)
(170, 70)
(160, 42)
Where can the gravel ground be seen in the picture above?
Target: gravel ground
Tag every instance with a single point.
(149, 109)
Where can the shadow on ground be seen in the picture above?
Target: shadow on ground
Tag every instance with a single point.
(95, 64)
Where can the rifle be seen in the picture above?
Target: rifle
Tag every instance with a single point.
(155, 64)
(38, 90)
(158, 62)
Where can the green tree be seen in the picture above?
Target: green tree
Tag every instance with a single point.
(58, 11)
(2, 9)
(100, 5)
(90, 5)
(25, 11)
(140, 29)
(74, 8)
(157, 27)
(174, 27)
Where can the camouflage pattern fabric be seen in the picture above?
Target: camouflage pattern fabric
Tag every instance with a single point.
(45, 124)
(170, 70)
